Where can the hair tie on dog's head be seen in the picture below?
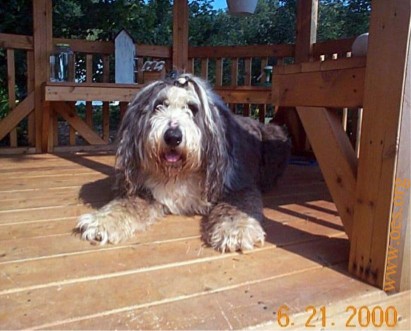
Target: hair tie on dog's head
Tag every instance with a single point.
(181, 81)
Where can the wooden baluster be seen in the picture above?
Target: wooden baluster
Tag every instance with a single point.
(123, 109)
(54, 121)
(344, 119)
(89, 79)
(169, 65)
(234, 72)
(190, 65)
(358, 131)
(204, 68)
(219, 72)
(72, 132)
(234, 79)
(11, 74)
(106, 106)
(31, 133)
(247, 82)
(279, 62)
(140, 74)
(262, 108)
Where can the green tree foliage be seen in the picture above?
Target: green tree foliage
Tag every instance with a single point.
(342, 19)
(150, 21)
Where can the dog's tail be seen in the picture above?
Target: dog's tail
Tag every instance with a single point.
(276, 150)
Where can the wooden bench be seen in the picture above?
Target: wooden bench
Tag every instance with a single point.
(58, 96)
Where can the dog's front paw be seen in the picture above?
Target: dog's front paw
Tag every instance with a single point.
(240, 233)
(101, 227)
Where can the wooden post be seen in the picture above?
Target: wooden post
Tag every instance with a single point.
(180, 35)
(42, 41)
(306, 29)
(382, 209)
(306, 36)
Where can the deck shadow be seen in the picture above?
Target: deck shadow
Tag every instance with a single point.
(88, 163)
(315, 247)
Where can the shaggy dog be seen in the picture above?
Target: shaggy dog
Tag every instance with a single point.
(181, 151)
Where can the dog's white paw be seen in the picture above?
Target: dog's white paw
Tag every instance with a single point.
(101, 227)
(236, 234)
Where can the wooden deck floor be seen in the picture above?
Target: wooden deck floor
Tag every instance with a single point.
(166, 278)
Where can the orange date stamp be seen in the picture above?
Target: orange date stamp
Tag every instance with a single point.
(354, 317)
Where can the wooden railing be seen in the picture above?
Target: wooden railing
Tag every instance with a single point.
(92, 61)
(227, 67)
(236, 72)
(25, 132)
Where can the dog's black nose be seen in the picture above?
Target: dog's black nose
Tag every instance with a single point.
(173, 137)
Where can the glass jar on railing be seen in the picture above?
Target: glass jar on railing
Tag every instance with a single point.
(61, 63)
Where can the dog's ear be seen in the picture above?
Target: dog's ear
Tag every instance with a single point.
(216, 156)
(130, 139)
(212, 122)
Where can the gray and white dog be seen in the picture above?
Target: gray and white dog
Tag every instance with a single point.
(181, 151)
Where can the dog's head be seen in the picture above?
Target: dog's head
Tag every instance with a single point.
(172, 128)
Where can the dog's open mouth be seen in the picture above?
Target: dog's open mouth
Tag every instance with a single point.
(173, 157)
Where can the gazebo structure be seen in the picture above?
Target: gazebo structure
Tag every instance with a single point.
(370, 191)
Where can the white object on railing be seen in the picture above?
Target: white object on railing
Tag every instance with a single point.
(124, 58)
(360, 45)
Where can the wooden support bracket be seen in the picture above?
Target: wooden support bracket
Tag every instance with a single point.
(77, 123)
(335, 156)
(23, 109)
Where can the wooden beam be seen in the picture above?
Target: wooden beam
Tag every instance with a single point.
(385, 101)
(90, 92)
(245, 94)
(180, 35)
(8, 40)
(42, 44)
(77, 123)
(336, 157)
(340, 64)
(282, 50)
(14, 117)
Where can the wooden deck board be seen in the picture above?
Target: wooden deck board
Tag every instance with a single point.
(165, 277)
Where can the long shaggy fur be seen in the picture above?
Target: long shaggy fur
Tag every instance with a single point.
(181, 151)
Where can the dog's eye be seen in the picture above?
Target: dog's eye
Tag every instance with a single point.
(160, 103)
(156, 105)
(193, 108)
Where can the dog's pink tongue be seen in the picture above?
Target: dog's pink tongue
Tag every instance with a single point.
(172, 156)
